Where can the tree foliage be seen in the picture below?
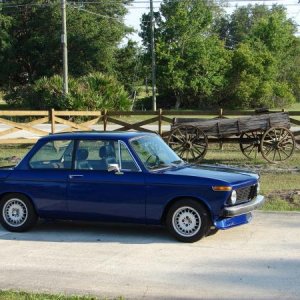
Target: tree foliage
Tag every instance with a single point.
(205, 58)
(261, 56)
(30, 38)
(128, 66)
(191, 59)
(247, 59)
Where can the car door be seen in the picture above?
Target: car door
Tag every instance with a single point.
(94, 193)
(45, 180)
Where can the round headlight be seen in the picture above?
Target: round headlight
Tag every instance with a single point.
(233, 197)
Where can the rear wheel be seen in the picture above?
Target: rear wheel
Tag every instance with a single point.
(187, 220)
(278, 144)
(17, 213)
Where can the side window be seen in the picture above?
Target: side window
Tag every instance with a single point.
(127, 162)
(53, 155)
(99, 154)
(96, 154)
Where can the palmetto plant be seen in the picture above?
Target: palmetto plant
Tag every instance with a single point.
(94, 91)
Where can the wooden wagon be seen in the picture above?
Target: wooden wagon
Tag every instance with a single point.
(267, 134)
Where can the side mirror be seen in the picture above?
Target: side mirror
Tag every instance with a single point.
(114, 168)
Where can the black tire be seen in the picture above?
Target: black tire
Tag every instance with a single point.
(187, 220)
(17, 213)
(212, 231)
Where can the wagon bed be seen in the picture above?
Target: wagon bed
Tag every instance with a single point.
(267, 134)
(225, 127)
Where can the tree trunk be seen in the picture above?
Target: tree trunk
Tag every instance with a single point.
(178, 100)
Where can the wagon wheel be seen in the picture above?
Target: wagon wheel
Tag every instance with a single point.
(250, 143)
(278, 144)
(189, 142)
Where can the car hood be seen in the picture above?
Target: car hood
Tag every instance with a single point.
(231, 176)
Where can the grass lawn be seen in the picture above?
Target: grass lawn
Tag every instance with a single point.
(282, 191)
(9, 153)
(231, 155)
(12, 295)
(294, 107)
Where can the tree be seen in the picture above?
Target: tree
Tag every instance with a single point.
(262, 56)
(5, 43)
(145, 32)
(191, 60)
(33, 28)
(237, 27)
(291, 71)
(128, 66)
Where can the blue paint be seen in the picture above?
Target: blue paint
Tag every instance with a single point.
(233, 222)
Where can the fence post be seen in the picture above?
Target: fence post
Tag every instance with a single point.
(221, 116)
(105, 120)
(221, 113)
(160, 121)
(52, 118)
(98, 122)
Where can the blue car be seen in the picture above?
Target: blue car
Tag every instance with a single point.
(124, 177)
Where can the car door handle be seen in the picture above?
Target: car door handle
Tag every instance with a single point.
(75, 176)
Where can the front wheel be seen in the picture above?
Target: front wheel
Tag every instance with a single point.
(187, 220)
(17, 213)
(189, 142)
(278, 144)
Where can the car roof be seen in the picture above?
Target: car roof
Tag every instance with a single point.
(122, 135)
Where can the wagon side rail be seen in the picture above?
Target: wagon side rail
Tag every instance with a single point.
(221, 127)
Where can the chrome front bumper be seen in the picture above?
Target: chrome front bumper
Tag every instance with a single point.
(244, 208)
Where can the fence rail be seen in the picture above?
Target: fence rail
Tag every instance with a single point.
(14, 130)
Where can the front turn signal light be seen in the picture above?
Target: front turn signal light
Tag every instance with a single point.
(222, 188)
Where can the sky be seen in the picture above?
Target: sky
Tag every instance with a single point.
(143, 6)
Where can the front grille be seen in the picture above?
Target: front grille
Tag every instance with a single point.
(246, 194)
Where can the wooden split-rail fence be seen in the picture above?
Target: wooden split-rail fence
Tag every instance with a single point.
(25, 127)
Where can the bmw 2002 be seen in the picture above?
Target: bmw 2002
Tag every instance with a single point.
(124, 177)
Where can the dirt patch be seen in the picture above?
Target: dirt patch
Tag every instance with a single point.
(9, 161)
(292, 197)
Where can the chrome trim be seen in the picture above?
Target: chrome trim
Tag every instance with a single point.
(244, 207)
(75, 176)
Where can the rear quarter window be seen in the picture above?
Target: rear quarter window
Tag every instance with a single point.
(53, 154)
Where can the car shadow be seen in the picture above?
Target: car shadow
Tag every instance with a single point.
(90, 232)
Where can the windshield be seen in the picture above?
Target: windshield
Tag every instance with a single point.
(154, 152)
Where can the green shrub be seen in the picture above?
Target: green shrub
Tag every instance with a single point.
(101, 91)
(95, 91)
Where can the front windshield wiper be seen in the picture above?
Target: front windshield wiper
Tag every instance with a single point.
(163, 165)
(159, 166)
(177, 162)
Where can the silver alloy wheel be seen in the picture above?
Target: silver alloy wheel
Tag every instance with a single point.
(15, 212)
(186, 221)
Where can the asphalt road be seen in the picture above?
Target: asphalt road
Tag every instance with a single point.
(256, 261)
